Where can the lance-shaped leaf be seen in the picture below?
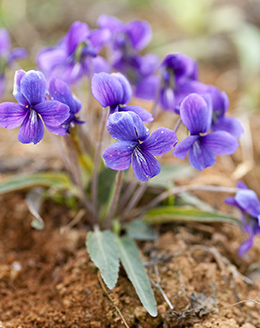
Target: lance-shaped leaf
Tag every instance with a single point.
(168, 214)
(103, 252)
(138, 229)
(132, 263)
(45, 179)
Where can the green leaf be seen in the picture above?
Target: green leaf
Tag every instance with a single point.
(132, 263)
(190, 199)
(44, 179)
(106, 181)
(168, 214)
(104, 253)
(139, 230)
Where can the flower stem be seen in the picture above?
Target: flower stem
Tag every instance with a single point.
(114, 202)
(134, 200)
(94, 184)
(127, 194)
(177, 126)
(76, 174)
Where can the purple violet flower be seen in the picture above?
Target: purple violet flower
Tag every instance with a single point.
(135, 144)
(30, 90)
(127, 39)
(126, 36)
(178, 78)
(75, 55)
(113, 90)
(202, 146)
(7, 56)
(248, 203)
(221, 122)
(59, 90)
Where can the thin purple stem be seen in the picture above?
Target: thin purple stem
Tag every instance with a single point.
(76, 174)
(134, 200)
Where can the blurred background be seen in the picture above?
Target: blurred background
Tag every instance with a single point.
(223, 35)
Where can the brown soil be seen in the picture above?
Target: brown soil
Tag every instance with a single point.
(48, 280)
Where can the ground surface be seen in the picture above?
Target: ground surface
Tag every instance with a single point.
(48, 280)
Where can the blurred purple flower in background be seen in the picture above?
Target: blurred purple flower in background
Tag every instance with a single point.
(177, 78)
(220, 121)
(196, 115)
(136, 144)
(114, 90)
(126, 36)
(127, 39)
(75, 55)
(30, 90)
(7, 56)
(248, 203)
(59, 90)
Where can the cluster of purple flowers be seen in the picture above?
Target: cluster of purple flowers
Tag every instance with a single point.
(75, 55)
(173, 85)
(202, 146)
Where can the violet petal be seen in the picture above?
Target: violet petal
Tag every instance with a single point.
(201, 156)
(33, 87)
(99, 65)
(195, 114)
(32, 129)
(248, 200)
(12, 115)
(17, 86)
(127, 90)
(145, 165)
(110, 22)
(245, 246)
(160, 142)
(77, 33)
(221, 142)
(118, 155)
(99, 38)
(230, 125)
(141, 112)
(140, 33)
(147, 88)
(60, 91)
(50, 57)
(106, 89)
(182, 148)
(53, 113)
(125, 126)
